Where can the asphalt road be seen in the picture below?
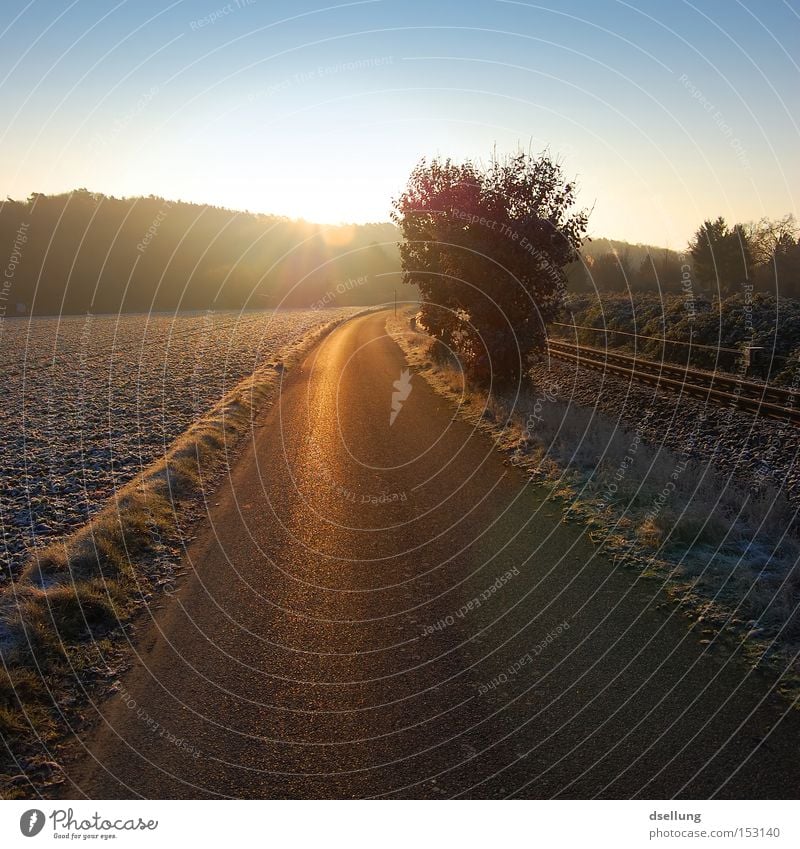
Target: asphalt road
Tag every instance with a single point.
(328, 642)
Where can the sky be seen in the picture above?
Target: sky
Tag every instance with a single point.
(664, 113)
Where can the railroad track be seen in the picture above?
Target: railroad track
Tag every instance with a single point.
(761, 398)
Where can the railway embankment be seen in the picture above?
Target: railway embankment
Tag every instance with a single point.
(698, 496)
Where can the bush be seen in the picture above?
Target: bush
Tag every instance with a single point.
(487, 249)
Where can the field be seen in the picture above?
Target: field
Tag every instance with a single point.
(87, 402)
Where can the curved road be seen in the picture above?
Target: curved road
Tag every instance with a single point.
(383, 609)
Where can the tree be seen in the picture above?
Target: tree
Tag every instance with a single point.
(774, 245)
(487, 248)
(766, 235)
(722, 257)
(786, 264)
(610, 271)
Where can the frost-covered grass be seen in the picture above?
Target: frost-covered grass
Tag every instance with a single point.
(715, 328)
(63, 619)
(722, 546)
(88, 402)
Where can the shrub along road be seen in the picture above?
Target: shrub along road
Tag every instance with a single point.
(388, 609)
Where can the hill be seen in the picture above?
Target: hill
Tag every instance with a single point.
(87, 252)
(84, 251)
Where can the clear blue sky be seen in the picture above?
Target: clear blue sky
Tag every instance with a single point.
(667, 113)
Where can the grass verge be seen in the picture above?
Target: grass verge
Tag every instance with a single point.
(728, 555)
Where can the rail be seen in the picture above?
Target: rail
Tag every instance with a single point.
(760, 398)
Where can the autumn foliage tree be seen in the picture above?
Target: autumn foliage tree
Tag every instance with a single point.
(487, 248)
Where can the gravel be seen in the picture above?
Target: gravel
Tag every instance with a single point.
(87, 402)
(753, 448)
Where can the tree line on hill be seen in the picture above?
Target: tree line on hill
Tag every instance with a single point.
(87, 252)
(719, 260)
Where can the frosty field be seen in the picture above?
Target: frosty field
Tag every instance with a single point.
(89, 401)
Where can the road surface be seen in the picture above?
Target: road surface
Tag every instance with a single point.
(388, 610)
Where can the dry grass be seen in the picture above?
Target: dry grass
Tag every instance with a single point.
(711, 538)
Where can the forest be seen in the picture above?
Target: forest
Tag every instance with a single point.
(762, 256)
(86, 252)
